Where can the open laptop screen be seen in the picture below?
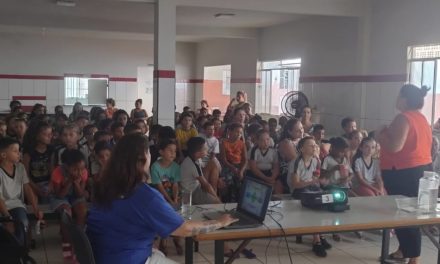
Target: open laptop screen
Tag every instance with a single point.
(254, 199)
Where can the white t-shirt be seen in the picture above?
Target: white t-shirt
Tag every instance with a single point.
(11, 188)
(264, 160)
(335, 176)
(370, 173)
(189, 172)
(304, 172)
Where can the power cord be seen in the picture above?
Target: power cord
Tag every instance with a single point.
(284, 235)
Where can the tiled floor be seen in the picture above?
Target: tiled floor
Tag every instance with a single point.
(350, 250)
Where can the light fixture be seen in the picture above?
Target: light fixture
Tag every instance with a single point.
(66, 3)
(224, 15)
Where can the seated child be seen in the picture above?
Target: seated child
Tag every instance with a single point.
(36, 158)
(367, 180)
(233, 157)
(192, 176)
(217, 128)
(263, 162)
(273, 132)
(14, 188)
(304, 176)
(354, 140)
(68, 183)
(185, 132)
(210, 165)
(318, 133)
(117, 129)
(69, 138)
(165, 176)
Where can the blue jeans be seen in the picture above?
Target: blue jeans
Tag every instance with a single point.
(19, 214)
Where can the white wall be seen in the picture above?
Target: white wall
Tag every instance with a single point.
(241, 54)
(327, 46)
(56, 56)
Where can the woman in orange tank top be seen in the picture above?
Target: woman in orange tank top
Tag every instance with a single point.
(405, 155)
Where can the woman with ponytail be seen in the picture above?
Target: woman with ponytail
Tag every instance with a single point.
(405, 155)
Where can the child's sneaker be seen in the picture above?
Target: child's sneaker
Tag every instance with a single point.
(325, 243)
(319, 250)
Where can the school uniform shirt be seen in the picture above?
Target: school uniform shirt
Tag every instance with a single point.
(304, 172)
(124, 232)
(335, 176)
(189, 171)
(213, 147)
(370, 172)
(11, 186)
(264, 160)
(165, 175)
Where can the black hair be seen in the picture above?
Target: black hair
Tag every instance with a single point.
(253, 129)
(338, 143)
(346, 121)
(208, 124)
(273, 120)
(137, 121)
(72, 156)
(6, 142)
(154, 129)
(186, 108)
(414, 96)
(95, 112)
(102, 145)
(317, 127)
(303, 141)
(105, 123)
(120, 112)
(195, 144)
(289, 126)
(87, 130)
(216, 111)
(99, 134)
(165, 143)
(116, 125)
(167, 132)
(234, 126)
(353, 133)
(138, 101)
(110, 101)
(30, 137)
(184, 115)
(14, 104)
(130, 128)
(261, 132)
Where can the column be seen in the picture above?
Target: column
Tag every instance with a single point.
(164, 88)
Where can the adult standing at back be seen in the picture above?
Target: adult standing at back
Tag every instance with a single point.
(405, 155)
(110, 107)
(138, 112)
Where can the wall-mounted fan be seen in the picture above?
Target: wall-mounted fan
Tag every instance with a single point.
(293, 103)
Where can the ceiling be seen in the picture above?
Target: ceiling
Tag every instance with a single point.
(126, 18)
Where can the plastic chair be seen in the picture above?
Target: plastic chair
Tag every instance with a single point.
(11, 251)
(81, 244)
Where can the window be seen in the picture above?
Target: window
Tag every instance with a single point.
(277, 79)
(226, 84)
(423, 62)
(88, 91)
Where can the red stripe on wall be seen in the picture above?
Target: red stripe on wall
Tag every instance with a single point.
(354, 78)
(41, 98)
(122, 79)
(190, 81)
(164, 74)
(30, 77)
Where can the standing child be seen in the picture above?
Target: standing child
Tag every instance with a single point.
(304, 176)
(68, 182)
(367, 180)
(233, 156)
(263, 162)
(14, 188)
(165, 175)
(210, 164)
(36, 158)
(185, 132)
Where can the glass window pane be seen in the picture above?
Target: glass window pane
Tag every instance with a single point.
(416, 73)
(428, 80)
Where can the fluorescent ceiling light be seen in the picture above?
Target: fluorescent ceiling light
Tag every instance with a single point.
(66, 3)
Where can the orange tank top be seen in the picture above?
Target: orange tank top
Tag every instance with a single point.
(233, 151)
(416, 150)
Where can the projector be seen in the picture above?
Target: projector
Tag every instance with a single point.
(332, 199)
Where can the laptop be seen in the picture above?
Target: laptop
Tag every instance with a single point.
(252, 205)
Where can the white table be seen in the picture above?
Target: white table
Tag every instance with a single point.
(366, 213)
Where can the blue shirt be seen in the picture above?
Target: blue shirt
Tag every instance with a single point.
(125, 231)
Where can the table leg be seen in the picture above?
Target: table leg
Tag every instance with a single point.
(219, 248)
(237, 251)
(189, 243)
(196, 246)
(385, 245)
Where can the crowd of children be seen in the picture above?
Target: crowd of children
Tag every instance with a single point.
(57, 159)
